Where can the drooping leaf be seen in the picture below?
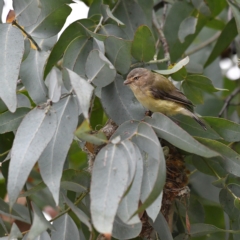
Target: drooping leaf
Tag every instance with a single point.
(15, 232)
(106, 12)
(110, 169)
(33, 135)
(79, 213)
(228, 130)
(118, 52)
(122, 230)
(54, 85)
(52, 18)
(39, 225)
(235, 10)
(31, 74)
(143, 45)
(10, 121)
(42, 236)
(226, 37)
(83, 91)
(116, 94)
(11, 53)
(202, 7)
(129, 204)
(230, 161)
(195, 95)
(53, 157)
(175, 68)
(99, 70)
(27, 11)
(187, 27)
(76, 54)
(172, 133)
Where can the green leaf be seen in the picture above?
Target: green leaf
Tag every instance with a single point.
(194, 94)
(84, 132)
(230, 161)
(180, 75)
(11, 53)
(51, 20)
(216, 24)
(34, 132)
(143, 45)
(79, 213)
(116, 94)
(15, 232)
(75, 56)
(228, 130)
(106, 12)
(111, 166)
(193, 128)
(83, 91)
(172, 133)
(112, 30)
(31, 74)
(202, 229)
(237, 203)
(50, 169)
(178, 66)
(118, 52)
(99, 70)
(187, 27)
(10, 121)
(1, 8)
(224, 40)
(65, 228)
(42, 236)
(74, 30)
(26, 11)
(235, 10)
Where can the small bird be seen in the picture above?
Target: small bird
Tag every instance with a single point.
(158, 94)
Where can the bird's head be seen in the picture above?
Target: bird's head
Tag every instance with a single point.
(138, 77)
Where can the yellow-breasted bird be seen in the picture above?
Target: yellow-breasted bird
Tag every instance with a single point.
(158, 94)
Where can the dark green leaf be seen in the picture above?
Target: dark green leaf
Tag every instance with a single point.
(74, 30)
(228, 130)
(118, 52)
(171, 132)
(230, 161)
(57, 148)
(42, 236)
(202, 7)
(143, 45)
(116, 94)
(99, 70)
(237, 203)
(106, 12)
(187, 27)
(224, 40)
(112, 30)
(235, 10)
(11, 53)
(201, 229)
(34, 132)
(76, 54)
(192, 93)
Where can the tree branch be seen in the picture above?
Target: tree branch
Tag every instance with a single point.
(228, 100)
(149, 63)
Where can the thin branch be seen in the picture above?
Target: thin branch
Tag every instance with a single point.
(99, 24)
(204, 44)
(228, 100)
(161, 37)
(5, 153)
(14, 23)
(149, 63)
(28, 204)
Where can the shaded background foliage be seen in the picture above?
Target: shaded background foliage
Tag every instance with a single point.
(74, 139)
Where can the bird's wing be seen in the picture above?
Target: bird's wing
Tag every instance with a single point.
(175, 96)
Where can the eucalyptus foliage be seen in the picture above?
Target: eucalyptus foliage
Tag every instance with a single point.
(74, 138)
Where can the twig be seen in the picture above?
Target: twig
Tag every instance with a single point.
(99, 24)
(150, 62)
(28, 204)
(228, 100)
(165, 6)
(204, 44)
(161, 37)
(14, 23)
(5, 153)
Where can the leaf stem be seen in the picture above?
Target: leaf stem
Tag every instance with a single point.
(2, 154)
(14, 23)
(214, 172)
(99, 24)
(150, 62)
(204, 44)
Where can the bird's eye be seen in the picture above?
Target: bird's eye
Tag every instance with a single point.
(136, 78)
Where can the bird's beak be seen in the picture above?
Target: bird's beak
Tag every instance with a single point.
(126, 82)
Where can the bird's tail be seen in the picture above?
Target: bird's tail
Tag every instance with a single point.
(199, 121)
